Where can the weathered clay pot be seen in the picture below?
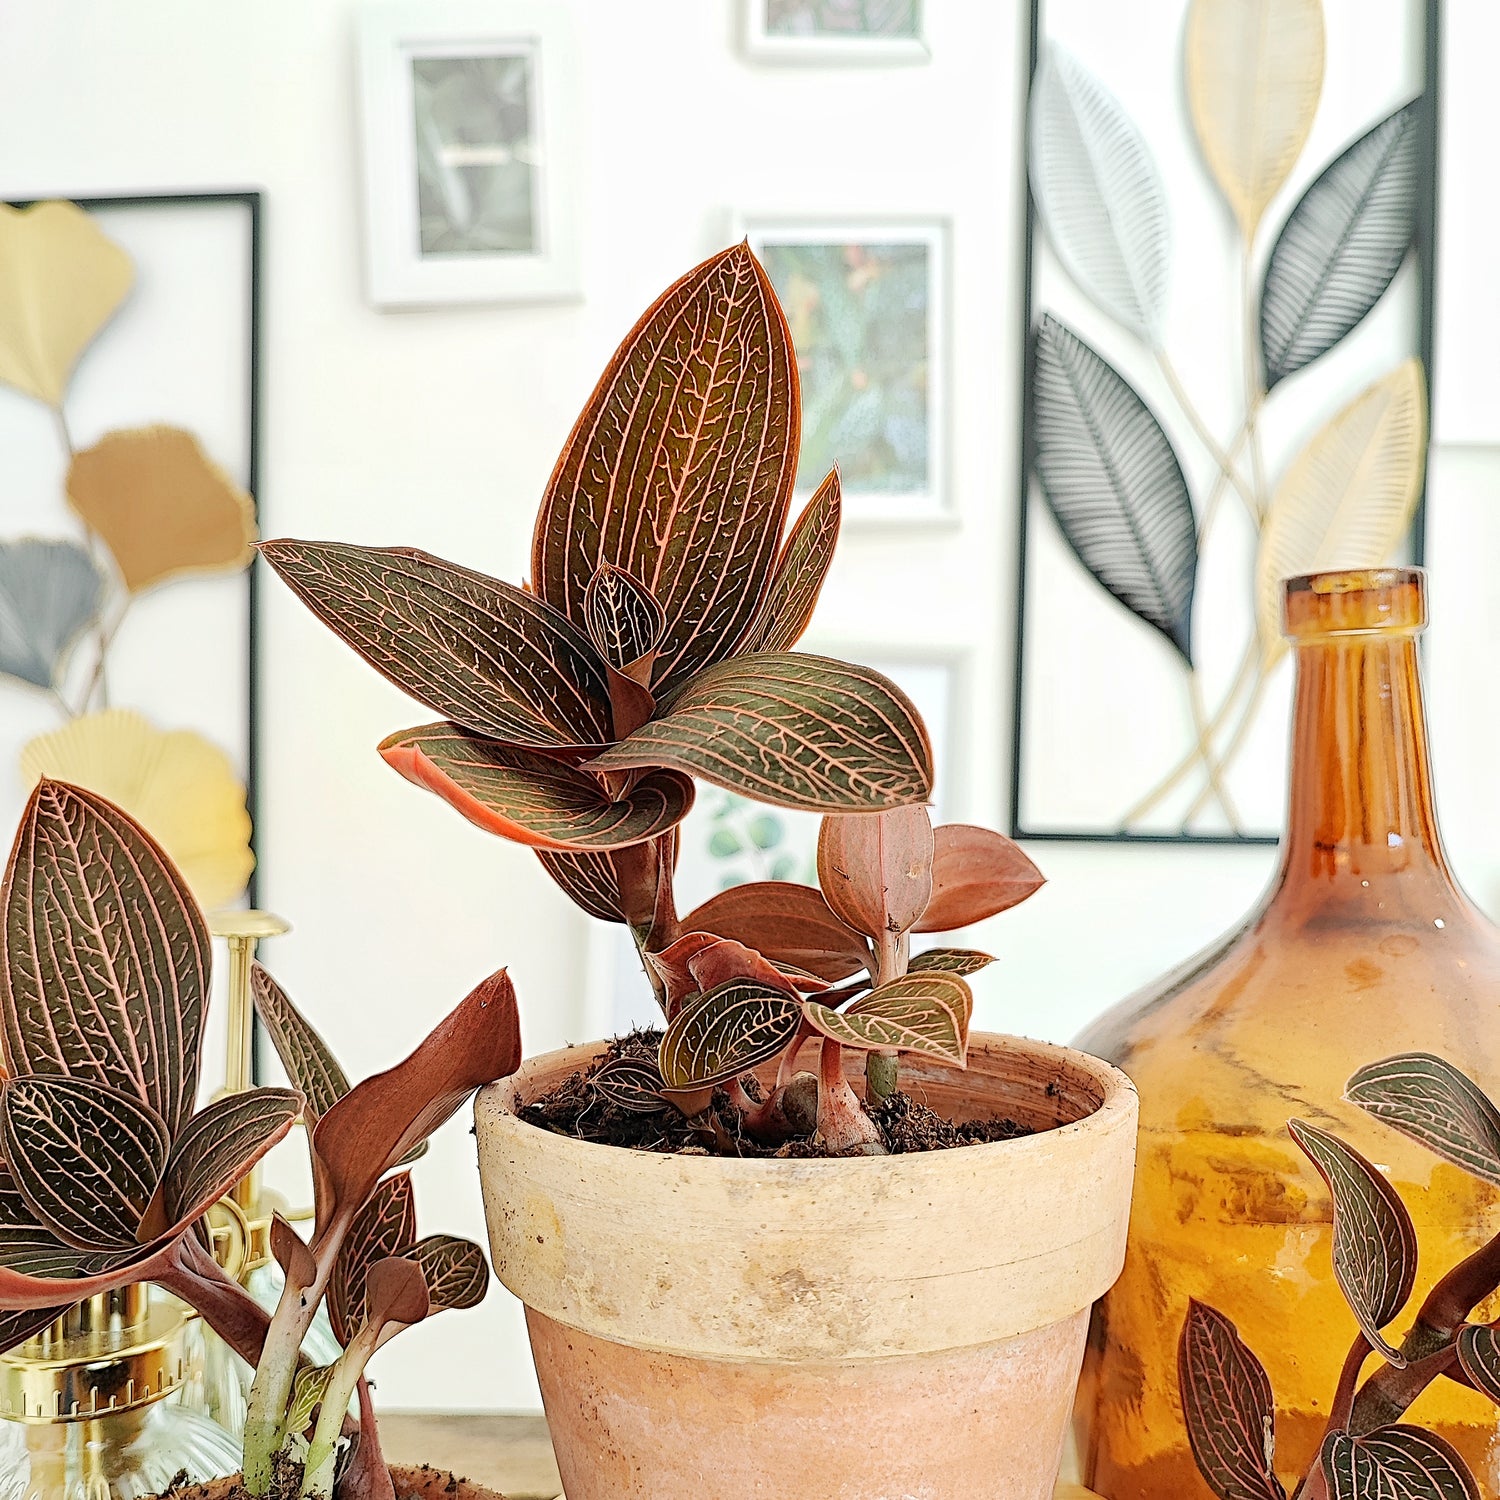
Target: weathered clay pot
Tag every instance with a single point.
(897, 1328)
(411, 1484)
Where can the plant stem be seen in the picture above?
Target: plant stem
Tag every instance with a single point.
(883, 1069)
(200, 1281)
(367, 1477)
(843, 1126)
(323, 1451)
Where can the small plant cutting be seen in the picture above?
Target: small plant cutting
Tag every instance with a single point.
(653, 644)
(1368, 1451)
(109, 1166)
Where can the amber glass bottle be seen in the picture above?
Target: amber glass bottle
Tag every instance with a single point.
(1363, 946)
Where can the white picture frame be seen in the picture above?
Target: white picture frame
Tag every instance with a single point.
(430, 67)
(914, 490)
(765, 40)
(617, 995)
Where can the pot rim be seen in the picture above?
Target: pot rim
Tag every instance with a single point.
(1116, 1097)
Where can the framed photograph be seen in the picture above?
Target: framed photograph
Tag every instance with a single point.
(823, 31)
(1175, 470)
(728, 840)
(469, 152)
(868, 306)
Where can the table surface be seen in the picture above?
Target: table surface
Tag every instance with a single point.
(508, 1452)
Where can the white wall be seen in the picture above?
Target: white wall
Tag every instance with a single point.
(439, 428)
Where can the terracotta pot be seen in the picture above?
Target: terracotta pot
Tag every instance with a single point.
(411, 1484)
(874, 1328)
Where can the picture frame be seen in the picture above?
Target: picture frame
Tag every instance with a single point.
(874, 397)
(470, 152)
(823, 32)
(756, 842)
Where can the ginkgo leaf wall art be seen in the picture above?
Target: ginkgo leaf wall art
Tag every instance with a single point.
(1230, 305)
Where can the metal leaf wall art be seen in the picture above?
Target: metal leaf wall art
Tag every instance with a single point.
(1105, 462)
(149, 505)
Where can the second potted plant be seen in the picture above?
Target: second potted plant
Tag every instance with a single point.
(883, 1264)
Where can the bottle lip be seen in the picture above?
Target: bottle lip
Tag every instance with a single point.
(1354, 601)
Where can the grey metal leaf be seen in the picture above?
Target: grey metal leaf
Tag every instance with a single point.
(1095, 181)
(1112, 480)
(50, 592)
(1341, 246)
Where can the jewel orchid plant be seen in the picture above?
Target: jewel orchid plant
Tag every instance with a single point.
(653, 645)
(110, 1166)
(1367, 1451)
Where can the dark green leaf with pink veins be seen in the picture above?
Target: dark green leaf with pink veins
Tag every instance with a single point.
(731, 1029)
(1395, 1463)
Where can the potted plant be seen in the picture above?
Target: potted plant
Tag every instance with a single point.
(109, 1165)
(1368, 1447)
(891, 1321)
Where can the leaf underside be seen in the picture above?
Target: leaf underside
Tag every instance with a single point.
(730, 1030)
(1228, 1408)
(533, 799)
(1428, 1099)
(787, 923)
(478, 651)
(1112, 481)
(976, 873)
(1395, 1463)
(1340, 246)
(1374, 1243)
(876, 872)
(793, 730)
(680, 467)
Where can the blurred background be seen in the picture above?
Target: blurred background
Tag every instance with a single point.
(452, 234)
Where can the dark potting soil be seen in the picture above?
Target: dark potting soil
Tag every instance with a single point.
(576, 1108)
(430, 1484)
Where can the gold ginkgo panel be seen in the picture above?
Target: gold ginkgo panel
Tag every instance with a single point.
(178, 786)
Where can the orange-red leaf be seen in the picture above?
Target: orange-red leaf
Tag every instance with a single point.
(976, 872)
(534, 799)
(788, 923)
(876, 872)
(680, 468)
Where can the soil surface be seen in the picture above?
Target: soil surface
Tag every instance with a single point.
(411, 1484)
(576, 1108)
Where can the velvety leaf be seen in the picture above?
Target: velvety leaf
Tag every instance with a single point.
(622, 616)
(395, 1295)
(1228, 1408)
(787, 923)
(1100, 195)
(1340, 246)
(18, 1290)
(631, 1083)
(1428, 1099)
(1254, 74)
(378, 1121)
(17, 1327)
(179, 786)
(800, 571)
(533, 799)
(384, 1227)
(976, 873)
(220, 1144)
(61, 279)
(729, 1031)
(489, 656)
(307, 1392)
(1348, 497)
(1395, 1463)
(50, 594)
(1112, 481)
(960, 961)
(876, 872)
(1374, 1244)
(588, 880)
(793, 730)
(926, 1013)
(1479, 1354)
(680, 468)
(162, 506)
(455, 1270)
(93, 910)
(86, 1158)
(28, 1245)
(313, 1069)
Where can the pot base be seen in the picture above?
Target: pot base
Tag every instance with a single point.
(982, 1423)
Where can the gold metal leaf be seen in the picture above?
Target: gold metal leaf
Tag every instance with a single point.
(1254, 74)
(178, 786)
(61, 280)
(162, 505)
(1347, 498)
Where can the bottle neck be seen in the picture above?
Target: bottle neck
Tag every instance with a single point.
(1360, 806)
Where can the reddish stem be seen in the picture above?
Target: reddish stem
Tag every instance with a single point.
(843, 1125)
(368, 1476)
(195, 1276)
